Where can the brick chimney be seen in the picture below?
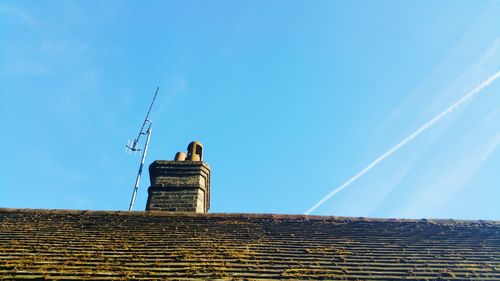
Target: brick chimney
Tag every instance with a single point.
(181, 185)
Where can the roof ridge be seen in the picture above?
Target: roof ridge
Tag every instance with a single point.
(245, 215)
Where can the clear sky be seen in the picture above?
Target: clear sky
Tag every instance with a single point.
(289, 98)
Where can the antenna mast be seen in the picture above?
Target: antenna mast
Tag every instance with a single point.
(135, 147)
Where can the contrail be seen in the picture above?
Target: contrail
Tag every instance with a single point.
(413, 135)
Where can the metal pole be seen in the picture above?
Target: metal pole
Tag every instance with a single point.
(134, 194)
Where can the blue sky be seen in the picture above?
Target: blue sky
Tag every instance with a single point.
(289, 98)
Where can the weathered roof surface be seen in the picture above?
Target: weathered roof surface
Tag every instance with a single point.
(58, 244)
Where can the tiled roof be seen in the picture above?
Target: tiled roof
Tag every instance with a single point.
(95, 245)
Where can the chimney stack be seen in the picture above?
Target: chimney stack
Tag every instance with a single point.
(182, 185)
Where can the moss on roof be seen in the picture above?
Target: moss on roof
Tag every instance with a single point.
(111, 245)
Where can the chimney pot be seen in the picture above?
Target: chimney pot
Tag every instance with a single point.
(195, 151)
(180, 156)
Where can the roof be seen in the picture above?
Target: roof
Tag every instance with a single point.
(62, 244)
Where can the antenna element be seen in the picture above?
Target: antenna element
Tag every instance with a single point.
(136, 147)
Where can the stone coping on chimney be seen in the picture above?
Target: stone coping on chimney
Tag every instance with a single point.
(181, 169)
(180, 163)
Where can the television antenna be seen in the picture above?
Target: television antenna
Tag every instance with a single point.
(136, 147)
